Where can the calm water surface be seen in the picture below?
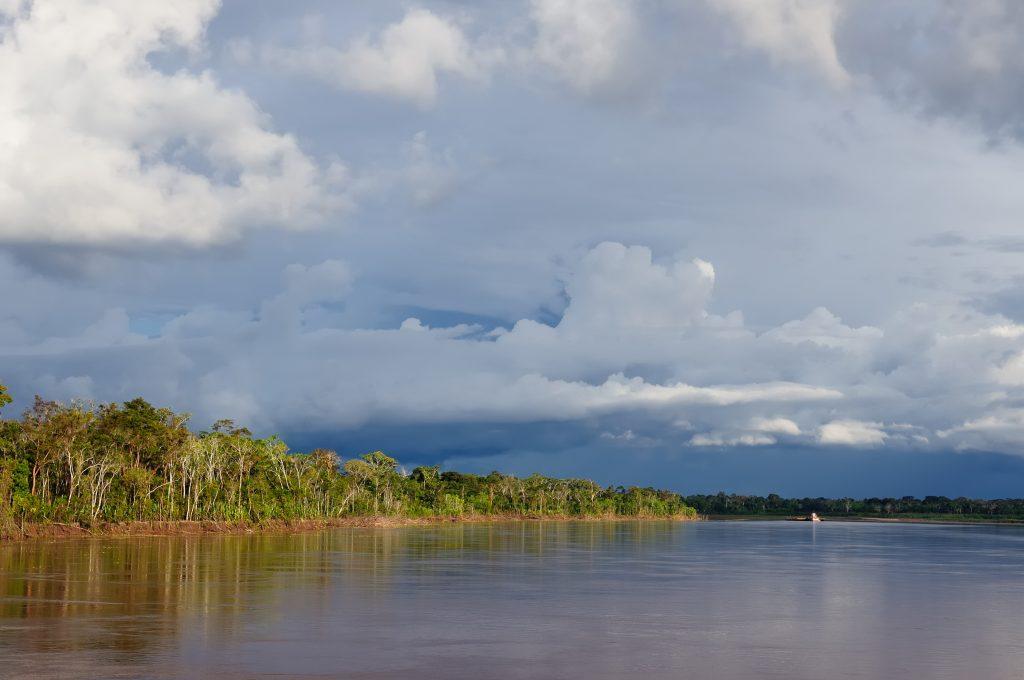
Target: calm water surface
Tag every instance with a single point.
(527, 600)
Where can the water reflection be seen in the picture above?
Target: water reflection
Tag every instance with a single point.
(130, 594)
(601, 599)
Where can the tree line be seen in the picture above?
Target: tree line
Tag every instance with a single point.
(773, 504)
(90, 463)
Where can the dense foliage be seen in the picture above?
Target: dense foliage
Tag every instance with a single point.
(906, 506)
(86, 464)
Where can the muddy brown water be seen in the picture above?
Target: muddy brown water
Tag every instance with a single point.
(522, 600)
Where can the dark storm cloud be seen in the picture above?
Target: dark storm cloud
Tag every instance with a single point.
(947, 59)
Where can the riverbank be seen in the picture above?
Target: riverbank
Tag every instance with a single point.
(937, 519)
(57, 530)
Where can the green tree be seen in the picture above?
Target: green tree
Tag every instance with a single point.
(84, 463)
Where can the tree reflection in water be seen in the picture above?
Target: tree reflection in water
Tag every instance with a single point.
(132, 601)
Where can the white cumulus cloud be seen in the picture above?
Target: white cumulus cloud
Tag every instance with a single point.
(775, 425)
(822, 327)
(852, 433)
(587, 43)
(721, 439)
(406, 60)
(791, 31)
(655, 297)
(100, 147)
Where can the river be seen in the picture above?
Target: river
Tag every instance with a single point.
(522, 600)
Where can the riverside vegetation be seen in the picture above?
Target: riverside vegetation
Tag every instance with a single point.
(906, 507)
(91, 465)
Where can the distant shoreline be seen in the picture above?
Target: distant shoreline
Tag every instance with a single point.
(57, 530)
(865, 518)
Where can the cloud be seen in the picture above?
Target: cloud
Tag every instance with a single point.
(852, 433)
(759, 431)
(775, 426)
(938, 59)
(431, 176)
(531, 397)
(945, 239)
(468, 307)
(327, 282)
(657, 297)
(103, 149)
(405, 61)
(791, 32)
(593, 46)
(588, 44)
(276, 367)
(1001, 430)
(636, 350)
(954, 60)
(957, 60)
(822, 327)
(110, 331)
(719, 439)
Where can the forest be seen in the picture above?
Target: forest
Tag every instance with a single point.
(905, 506)
(90, 464)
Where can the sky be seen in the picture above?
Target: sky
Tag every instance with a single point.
(743, 245)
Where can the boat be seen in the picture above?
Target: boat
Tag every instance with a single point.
(813, 517)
